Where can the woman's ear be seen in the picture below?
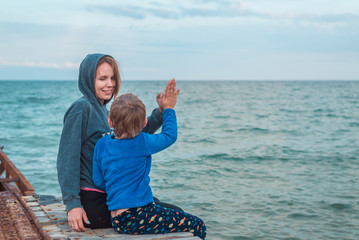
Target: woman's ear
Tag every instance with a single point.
(110, 122)
(144, 125)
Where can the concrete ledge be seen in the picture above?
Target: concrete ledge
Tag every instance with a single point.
(53, 219)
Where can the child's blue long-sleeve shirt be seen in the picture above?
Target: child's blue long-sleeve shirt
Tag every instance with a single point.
(121, 167)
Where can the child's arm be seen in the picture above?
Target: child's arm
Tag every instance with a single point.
(97, 176)
(155, 121)
(168, 136)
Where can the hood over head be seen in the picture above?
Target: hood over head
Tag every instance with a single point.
(87, 75)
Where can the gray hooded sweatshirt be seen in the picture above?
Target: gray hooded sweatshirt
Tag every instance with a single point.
(85, 122)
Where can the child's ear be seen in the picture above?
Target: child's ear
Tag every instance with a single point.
(109, 122)
(145, 122)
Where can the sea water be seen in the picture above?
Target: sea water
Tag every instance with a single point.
(254, 160)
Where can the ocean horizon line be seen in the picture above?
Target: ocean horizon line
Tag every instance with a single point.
(189, 80)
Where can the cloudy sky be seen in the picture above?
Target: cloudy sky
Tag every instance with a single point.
(186, 39)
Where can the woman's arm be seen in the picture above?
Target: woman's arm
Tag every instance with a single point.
(158, 142)
(154, 122)
(68, 169)
(68, 161)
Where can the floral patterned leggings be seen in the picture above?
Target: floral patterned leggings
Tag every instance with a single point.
(152, 219)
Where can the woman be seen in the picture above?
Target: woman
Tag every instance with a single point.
(85, 122)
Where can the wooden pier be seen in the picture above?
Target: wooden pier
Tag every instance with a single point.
(24, 216)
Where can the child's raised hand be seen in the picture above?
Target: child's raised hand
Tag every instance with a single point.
(170, 87)
(169, 98)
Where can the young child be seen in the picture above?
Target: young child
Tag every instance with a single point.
(121, 167)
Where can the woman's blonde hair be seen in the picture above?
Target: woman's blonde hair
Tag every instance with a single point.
(128, 114)
(110, 60)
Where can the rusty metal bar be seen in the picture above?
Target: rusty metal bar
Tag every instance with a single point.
(29, 213)
(17, 220)
(2, 168)
(11, 171)
(3, 180)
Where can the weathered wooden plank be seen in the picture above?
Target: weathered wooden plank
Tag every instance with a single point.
(59, 227)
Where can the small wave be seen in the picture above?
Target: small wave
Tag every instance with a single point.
(301, 216)
(228, 130)
(290, 132)
(332, 115)
(350, 197)
(354, 124)
(266, 158)
(227, 157)
(222, 117)
(321, 110)
(40, 141)
(8, 102)
(290, 110)
(340, 206)
(291, 151)
(261, 116)
(255, 130)
(199, 141)
(338, 133)
(215, 156)
(230, 237)
(7, 140)
(38, 100)
(196, 101)
(221, 156)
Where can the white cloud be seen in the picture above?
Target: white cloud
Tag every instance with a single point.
(244, 5)
(143, 35)
(152, 70)
(66, 65)
(71, 65)
(161, 15)
(325, 26)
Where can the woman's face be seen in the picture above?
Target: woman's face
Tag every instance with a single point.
(105, 82)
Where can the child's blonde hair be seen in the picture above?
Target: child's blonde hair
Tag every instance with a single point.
(128, 114)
